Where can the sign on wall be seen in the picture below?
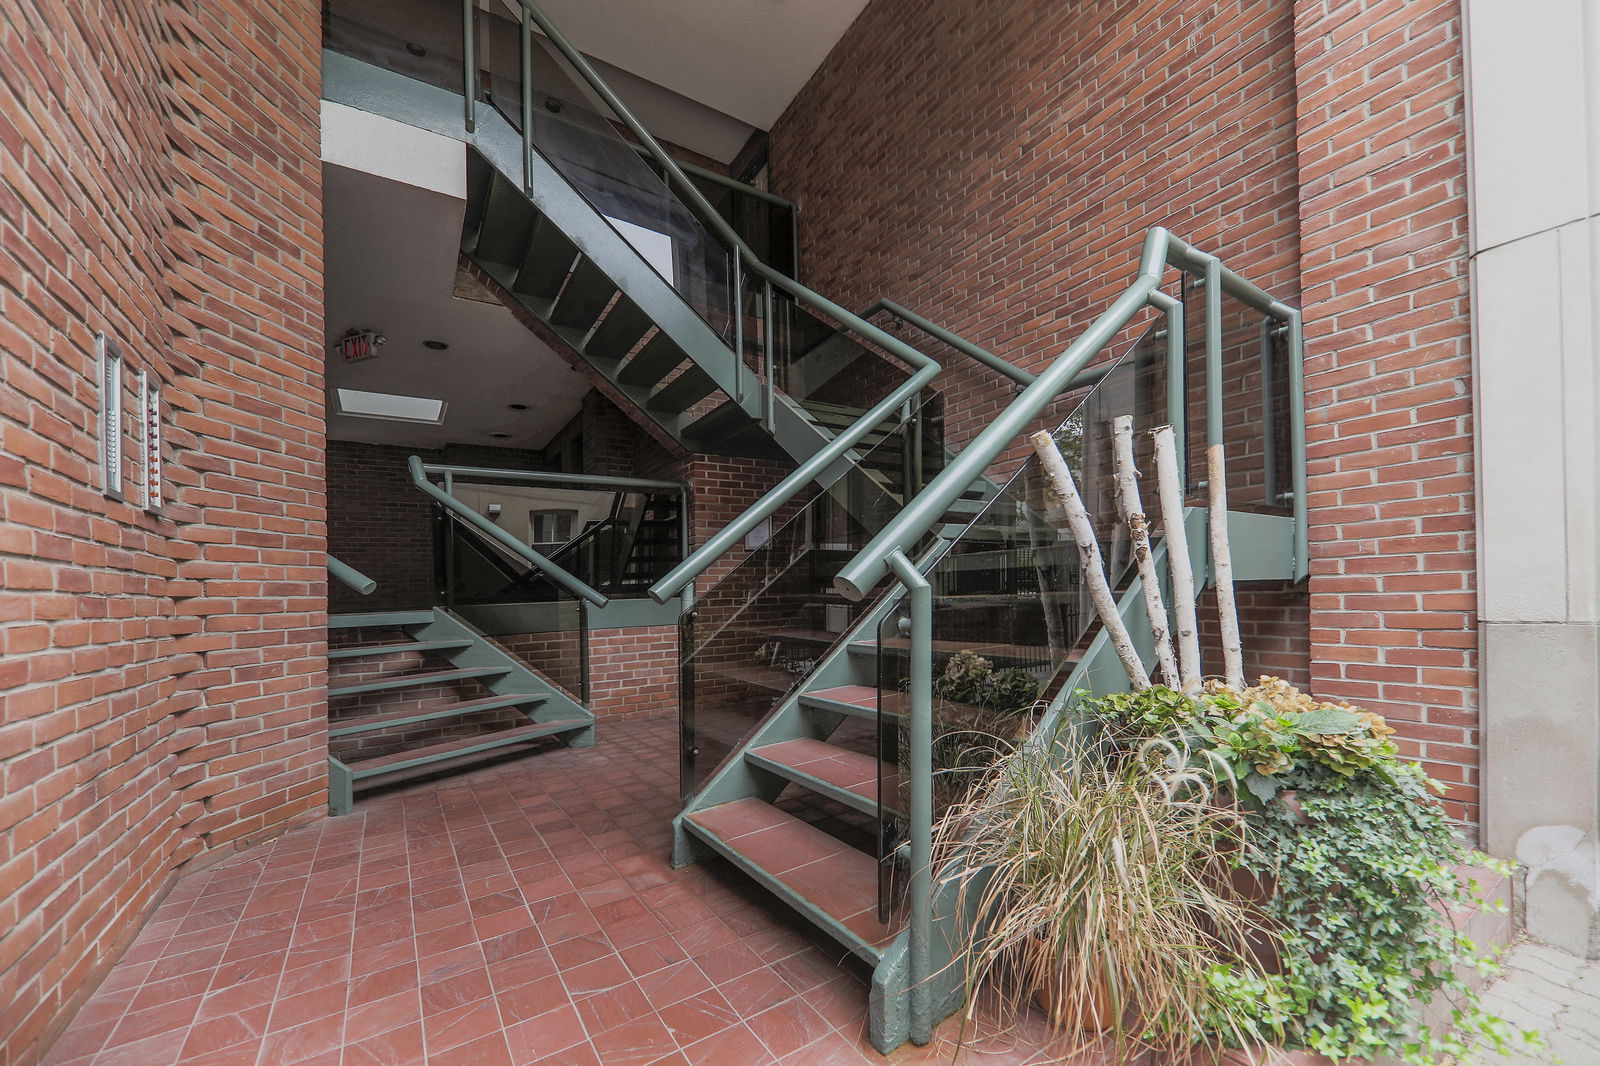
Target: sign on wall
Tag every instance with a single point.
(143, 425)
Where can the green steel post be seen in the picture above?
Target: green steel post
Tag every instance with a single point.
(1213, 351)
(1297, 444)
(738, 329)
(469, 63)
(1269, 429)
(349, 575)
(1177, 398)
(920, 597)
(958, 342)
(769, 413)
(578, 588)
(526, 36)
(794, 241)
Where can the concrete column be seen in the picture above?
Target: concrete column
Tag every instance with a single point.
(1533, 77)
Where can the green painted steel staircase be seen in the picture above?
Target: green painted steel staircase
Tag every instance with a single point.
(811, 721)
(483, 702)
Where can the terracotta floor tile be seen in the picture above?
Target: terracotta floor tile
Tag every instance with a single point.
(544, 1034)
(530, 1000)
(371, 1019)
(488, 1050)
(456, 990)
(734, 1046)
(698, 1017)
(788, 1027)
(637, 1043)
(400, 1046)
(461, 1025)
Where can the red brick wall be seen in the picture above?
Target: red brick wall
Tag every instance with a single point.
(161, 675)
(1383, 220)
(381, 524)
(633, 673)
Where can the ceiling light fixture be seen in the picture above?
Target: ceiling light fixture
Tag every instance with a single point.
(517, 406)
(389, 406)
(437, 346)
(502, 436)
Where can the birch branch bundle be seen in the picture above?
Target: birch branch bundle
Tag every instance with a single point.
(1094, 573)
(1132, 512)
(1170, 491)
(1222, 569)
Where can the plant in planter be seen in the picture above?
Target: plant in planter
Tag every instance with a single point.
(1358, 858)
(1102, 890)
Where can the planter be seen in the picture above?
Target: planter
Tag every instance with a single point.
(1095, 1013)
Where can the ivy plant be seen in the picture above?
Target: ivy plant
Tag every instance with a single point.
(1360, 861)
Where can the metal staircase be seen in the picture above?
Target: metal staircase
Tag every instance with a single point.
(813, 715)
(394, 713)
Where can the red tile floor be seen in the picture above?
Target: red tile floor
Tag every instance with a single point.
(521, 913)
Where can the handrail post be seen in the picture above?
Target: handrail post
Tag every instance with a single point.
(1297, 444)
(738, 327)
(1269, 428)
(1177, 398)
(469, 63)
(920, 597)
(1213, 275)
(527, 103)
(769, 401)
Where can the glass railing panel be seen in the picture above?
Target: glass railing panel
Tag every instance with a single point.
(575, 131)
(762, 628)
(1011, 615)
(550, 638)
(571, 128)
(617, 542)
(420, 40)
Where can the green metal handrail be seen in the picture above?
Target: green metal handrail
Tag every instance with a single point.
(419, 478)
(954, 340)
(1161, 250)
(349, 575)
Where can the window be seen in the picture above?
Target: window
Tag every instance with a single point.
(551, 527)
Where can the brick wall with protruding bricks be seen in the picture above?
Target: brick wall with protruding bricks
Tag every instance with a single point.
(161, 675)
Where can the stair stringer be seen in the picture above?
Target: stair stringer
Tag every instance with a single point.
(519, 678)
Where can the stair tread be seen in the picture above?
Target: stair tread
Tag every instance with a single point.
(461, 746)
(379, 619)
(683, 391)
(366, 722)
(363, 650)
(413, 680)
(767, 677)
(845, 770)
(991, 650)
(822, 871)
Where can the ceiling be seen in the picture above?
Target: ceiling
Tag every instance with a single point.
(398, 279)
(745, 58)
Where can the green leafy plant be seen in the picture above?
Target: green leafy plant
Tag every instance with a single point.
(1361, 861)
(971, 679)
(1099, 876)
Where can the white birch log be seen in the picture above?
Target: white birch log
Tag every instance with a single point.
(1094, 573)
(1170, 490)
(1222, 569)
(1132, 511)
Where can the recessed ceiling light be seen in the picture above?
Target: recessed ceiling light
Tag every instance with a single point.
(502, 436)
(517, 406)
(390, 406)
(437, 346)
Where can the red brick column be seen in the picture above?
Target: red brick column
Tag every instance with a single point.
(161, 675)
(1383, 225)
